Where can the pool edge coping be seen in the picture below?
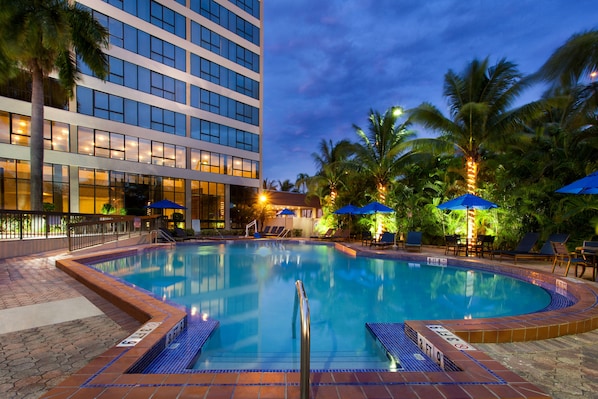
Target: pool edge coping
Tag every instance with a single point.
(114, 363)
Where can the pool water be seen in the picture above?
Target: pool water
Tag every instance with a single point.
(249, 287)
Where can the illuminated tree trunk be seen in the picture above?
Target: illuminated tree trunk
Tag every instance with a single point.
(332, 195)
(382, 197)
(472, 175)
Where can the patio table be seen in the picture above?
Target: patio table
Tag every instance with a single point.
(590, 254)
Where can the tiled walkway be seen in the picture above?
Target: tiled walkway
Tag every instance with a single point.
(34, 360)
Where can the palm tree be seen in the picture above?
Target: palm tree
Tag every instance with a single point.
(269, 185)
(286, 185)
(574, 61)
(331, 164)
(384, 149)
(301, 182)
(40, 36)
(481, 119)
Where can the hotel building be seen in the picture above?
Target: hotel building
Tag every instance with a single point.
(179, 116)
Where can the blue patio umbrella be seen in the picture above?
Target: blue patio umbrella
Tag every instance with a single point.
(348, 210)
(286, 212)
(466, 202)
(375, 207)
(165, 204)
(585, 185)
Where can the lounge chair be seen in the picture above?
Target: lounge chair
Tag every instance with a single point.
(453, 244)
(386, 240)
(414, 241)
(275, 231)
(563, 256)
(547, 250)
(525, 246)
(181, 235)
(326, 235)
(340, 235)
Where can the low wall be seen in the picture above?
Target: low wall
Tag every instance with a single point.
(13, 248)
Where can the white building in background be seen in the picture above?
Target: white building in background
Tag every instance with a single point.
(179, 117)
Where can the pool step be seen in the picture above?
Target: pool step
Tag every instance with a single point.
(284, 361)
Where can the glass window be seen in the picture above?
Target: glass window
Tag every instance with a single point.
(133, 40)
(131, 149)
(181, 157)
(131, 112)
(84, 100)
(21, 132)
(145, 151)
(4, 127)
(60, 136)
(130, 75)
(117, 70)
(117, 146)
(144, 115)
(85, 141)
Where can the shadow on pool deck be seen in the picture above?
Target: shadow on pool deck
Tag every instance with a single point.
(537, 361)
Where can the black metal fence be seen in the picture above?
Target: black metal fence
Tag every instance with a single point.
(95, 232)
(22, 225)
(82, 230)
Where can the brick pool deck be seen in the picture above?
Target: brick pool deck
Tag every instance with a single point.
(479, 375)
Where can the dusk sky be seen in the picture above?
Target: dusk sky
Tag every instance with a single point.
(328, 62)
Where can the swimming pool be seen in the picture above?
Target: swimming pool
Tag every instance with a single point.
(249, 288)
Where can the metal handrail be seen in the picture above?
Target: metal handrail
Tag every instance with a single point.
(301, 299)
(164, 236)
(251, 224)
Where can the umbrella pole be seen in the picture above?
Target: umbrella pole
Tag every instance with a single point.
(467, 232)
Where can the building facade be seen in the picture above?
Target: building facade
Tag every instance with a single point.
(179, 116)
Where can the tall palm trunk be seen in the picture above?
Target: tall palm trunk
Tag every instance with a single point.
(37, 139)
(471, 180)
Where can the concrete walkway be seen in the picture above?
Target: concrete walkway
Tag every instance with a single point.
(33, 360)
(42, 349)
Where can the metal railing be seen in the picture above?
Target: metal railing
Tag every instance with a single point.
(21, 225)
(302, 303)
(251, 224)
(157, 235)
(101, 230)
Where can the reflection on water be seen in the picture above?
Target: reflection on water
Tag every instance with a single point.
(249, 288)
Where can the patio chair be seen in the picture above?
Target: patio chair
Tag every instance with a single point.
(563, 256)
(547, 250)
(453, 244)
(589, 251)
(414, 241)
(366, 237)
(525, 246)
(386, 240)
(484, 244)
